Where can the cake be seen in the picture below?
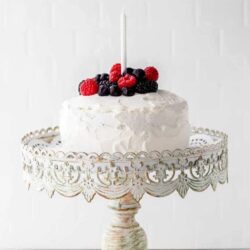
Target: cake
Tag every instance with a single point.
(155, 120)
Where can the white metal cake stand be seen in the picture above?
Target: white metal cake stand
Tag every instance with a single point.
(124, 178)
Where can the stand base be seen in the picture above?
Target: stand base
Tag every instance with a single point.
(124, 233)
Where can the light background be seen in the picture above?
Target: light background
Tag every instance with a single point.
(202, 51)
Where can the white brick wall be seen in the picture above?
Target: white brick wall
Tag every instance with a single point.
(202, 50)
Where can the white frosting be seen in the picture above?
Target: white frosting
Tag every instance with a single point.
(143, 122)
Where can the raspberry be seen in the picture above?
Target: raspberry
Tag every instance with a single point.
(116, 68)
(115, 72)
(89, 87)
(146, 86)
(114, 76)
(151, 73)
(127, 81)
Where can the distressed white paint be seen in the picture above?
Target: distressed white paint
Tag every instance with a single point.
(124, 233)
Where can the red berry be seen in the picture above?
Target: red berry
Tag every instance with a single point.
(114, 76)
(89, 87)
(151, 73)
(127, 81)
(116, 67)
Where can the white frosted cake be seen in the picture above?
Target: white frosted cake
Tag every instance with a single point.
(143, 122)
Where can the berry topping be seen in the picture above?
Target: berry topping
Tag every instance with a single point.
(139, 74)
(127, 81)
(103, 90)
(89, 87)
(114, 76)
(151, 73)
(128, 91)
(146, 86)
(104, 76)
(115, 90)
(128, 71)
(116, 68)
(98, 78)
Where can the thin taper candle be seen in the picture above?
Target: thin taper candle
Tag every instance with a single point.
(123, 42)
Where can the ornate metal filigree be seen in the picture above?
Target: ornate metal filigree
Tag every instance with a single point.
(203, 164)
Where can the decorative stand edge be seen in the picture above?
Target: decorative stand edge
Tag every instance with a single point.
(124, 178)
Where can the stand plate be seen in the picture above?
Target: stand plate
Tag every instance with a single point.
(124, 178)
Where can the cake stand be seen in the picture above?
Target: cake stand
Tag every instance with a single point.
(124, 178)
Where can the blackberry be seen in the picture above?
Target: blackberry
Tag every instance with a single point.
(139, 74)
(128, 71)
(128, 91)
(104, 77)
(98, 78)
(115, 90)
(146, 86)
(153, 86)
(104, 82)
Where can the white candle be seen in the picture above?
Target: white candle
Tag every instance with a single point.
(123, 42)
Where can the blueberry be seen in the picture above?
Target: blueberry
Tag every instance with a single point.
(103, 90)
(104, 76)
(128, 91)
(98, 78)
(139, 74)
(128, 71)
(115, 90)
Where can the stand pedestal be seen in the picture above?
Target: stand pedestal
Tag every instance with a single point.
(124, 232)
